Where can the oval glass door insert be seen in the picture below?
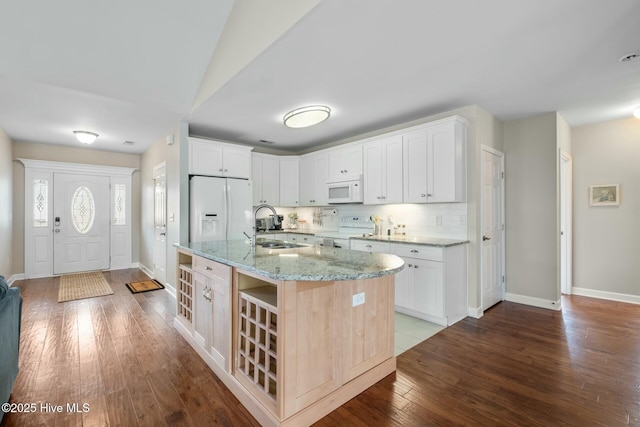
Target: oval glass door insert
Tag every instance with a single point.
(83, 209)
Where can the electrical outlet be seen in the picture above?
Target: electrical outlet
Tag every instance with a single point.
(358, 299)
(462, 220)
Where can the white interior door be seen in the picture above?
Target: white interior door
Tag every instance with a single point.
(160, 223)
(80, 223)
(492, 203)
(566, 202)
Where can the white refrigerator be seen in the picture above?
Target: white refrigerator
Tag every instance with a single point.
(219, 208)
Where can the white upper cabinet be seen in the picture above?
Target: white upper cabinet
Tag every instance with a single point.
(314, 173)
(414, 146)
(434, 169)
(345, 163)
(290, 181)
(447, 163)
(383, 171)
(265, 170)
(213, 158)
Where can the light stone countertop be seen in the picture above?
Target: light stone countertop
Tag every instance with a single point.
(394, 238)
(307, 263)
(414, 240)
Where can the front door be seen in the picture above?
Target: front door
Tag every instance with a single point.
(80, 223)
(492, 227)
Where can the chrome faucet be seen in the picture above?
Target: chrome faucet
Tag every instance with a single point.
(276, 221)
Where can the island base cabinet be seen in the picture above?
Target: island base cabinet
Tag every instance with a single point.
(204, 308)
(303, 348)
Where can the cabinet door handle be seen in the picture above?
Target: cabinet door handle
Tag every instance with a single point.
(226, 170)
(423, 195)
(485, 238)
(410, 265)
(368, 246)
(208, 268)
(415, 266)
(429, 195)
(414, 251)
(220, 170)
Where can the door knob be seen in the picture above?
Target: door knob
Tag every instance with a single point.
(57, 230)
(485, 238)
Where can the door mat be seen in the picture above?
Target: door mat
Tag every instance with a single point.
(144, 286)
(83, 285)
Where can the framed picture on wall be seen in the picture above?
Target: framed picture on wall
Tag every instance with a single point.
(604, 195)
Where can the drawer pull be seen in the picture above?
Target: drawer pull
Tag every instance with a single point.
(414, 251)
(410, 265)
(415, 266)
(208, 268)
(368, 246)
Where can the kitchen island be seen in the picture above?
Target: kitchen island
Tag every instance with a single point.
(293, 332)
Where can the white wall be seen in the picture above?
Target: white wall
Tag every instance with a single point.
(531, 168)
(177, 199)
(607, 239)
(6, 204)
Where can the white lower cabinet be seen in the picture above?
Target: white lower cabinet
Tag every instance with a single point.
(433, 283)
(369, 246)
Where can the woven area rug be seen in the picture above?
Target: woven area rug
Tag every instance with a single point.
(83, 285)
(144, 286)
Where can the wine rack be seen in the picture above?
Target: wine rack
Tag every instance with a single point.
(258, 338)
(185, 293)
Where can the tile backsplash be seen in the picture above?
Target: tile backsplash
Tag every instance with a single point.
(448, 220)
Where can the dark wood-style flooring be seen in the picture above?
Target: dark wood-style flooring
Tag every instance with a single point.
(517, 365)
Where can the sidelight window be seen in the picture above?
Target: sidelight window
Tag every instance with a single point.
(40, 202)
(119, 213)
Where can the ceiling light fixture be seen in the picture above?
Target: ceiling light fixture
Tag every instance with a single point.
(630, 56)
(636, 113)
(85, 137)
(306, 116)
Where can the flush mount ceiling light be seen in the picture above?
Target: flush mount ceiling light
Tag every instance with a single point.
(630, 56)
(306, 116)
(85, 137)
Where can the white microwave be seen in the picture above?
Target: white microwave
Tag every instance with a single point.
(346, 191)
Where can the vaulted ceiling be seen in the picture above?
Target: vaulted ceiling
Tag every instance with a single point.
(131, 70)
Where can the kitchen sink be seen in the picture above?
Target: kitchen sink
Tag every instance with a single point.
(277, 244)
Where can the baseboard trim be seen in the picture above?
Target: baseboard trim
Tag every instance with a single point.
(168, 287)
(145, 270)
(612, 296)
(14, 278)
(533, 301)
(475, 312)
